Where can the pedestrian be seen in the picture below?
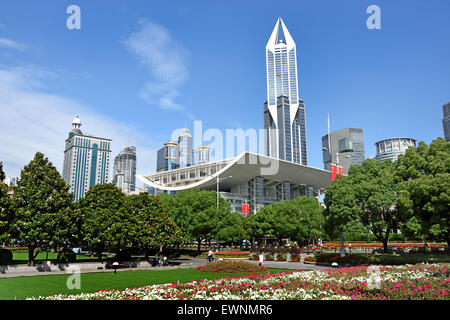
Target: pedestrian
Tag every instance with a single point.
(210, 255)
(261, 259)
(350, 246)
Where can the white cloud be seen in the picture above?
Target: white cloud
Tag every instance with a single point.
(165, 59)
(33, 120)
(6, 43)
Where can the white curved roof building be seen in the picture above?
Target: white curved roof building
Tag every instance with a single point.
(247, 179)
(392, 148)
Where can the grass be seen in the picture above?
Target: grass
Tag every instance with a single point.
(24, 287)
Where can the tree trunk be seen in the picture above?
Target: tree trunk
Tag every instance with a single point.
(99, 251)
(30, 255)
(385, 245)
(198, 245)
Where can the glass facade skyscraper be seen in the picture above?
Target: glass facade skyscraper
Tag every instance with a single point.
(284, 112)
(181, 155)
(347, 148)
(167, 157)
(125, 164)
(185, 148)
(86, 160)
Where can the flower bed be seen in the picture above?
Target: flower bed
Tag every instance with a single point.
(384, 259)
(231, 267)
(418, 282)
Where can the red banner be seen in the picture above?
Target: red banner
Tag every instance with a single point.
(245, 208)
(340, 170)
(333, 172)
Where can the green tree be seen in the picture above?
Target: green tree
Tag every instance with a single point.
(2, 174)
(151, 225)
(6, 214)
(195, 212)
(425, 175)
(231, 228)
(40, 197)
(368, 195)
(298, 219)
(104, 224)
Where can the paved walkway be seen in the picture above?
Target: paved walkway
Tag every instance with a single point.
(183, 262)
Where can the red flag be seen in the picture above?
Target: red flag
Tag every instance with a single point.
(341, 170)
(245, 208)
(333, 172)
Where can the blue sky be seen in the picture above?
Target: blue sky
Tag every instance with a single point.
(154, 66)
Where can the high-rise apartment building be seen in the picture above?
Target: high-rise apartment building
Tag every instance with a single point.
(446, 121)
(284, 111)
(347, 148)
(86, 160)
(167, 157)
(125, 165)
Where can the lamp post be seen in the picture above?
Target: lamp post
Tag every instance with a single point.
(342, 249)
(217, 187)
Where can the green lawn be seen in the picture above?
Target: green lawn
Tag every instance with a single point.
(23, 287)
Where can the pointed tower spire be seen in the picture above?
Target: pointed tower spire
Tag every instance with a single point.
(280, 33)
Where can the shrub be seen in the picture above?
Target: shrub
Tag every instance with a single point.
(281, 257)
(6, 257)
(123, 255)
(66, 256)
(295, 258)
(268, 257)
(230, 266)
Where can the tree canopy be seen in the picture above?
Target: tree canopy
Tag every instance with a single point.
(40, 197)
(424, 173)
(298, 219)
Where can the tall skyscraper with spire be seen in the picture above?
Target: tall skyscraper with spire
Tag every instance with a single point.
(86, 160)
(284, 111)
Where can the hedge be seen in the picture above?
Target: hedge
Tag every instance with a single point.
(384, 259)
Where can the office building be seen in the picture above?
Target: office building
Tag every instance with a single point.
(392, 148)
(167, 157)
(86, 160)
(125, 165)
(346, 149)
(181, 155)
(284, 111)
(185, 148)
(446, 121)
(11, 182)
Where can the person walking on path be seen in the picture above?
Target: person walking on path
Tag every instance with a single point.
(210, 255)
(261, 259)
